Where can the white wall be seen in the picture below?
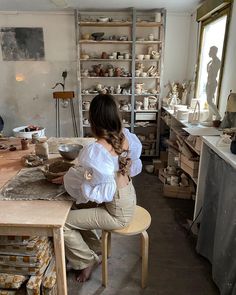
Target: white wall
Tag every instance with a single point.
(177, 54)
(229, 73)
(30, 101)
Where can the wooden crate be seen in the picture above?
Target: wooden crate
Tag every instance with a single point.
(189, 166)
(162, 175)
(179, 192)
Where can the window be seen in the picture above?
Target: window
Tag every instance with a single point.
(212, 48)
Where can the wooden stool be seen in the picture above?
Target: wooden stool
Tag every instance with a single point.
(141, 221)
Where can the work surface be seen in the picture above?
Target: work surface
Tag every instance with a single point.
(34, 213)
(37, 217)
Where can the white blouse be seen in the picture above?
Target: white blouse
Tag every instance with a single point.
(93, 176)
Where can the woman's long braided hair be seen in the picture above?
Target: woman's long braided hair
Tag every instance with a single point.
(106, 123)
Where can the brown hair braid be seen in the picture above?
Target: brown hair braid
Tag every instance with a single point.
(106, 123)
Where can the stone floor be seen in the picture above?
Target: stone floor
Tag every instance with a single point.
(174, 266)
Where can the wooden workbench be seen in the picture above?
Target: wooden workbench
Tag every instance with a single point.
(37, 217)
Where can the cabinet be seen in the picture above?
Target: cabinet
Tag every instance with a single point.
(121, 53)
(183, 149)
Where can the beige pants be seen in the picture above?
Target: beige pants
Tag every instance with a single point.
(81, 240)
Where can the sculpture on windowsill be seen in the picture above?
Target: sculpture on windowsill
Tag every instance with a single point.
(213, 67)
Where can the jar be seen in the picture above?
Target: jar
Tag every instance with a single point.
(41, 149)
(24, 144)
(150, 37)
(35, 137)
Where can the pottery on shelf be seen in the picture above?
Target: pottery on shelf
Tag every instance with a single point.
(103, 19)
(97, 36)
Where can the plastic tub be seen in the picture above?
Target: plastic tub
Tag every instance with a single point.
(23, 134)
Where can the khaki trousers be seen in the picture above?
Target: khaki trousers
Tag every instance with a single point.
(81, 239)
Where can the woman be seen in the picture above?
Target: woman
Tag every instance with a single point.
(101, 175)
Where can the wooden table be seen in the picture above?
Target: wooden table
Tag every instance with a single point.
(43, 218)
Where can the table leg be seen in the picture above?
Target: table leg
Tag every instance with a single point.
(59, 249)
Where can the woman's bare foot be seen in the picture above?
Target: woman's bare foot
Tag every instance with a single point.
(84, 275)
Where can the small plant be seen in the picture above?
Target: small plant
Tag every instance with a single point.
(64, 75)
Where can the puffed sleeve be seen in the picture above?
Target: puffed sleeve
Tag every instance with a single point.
(92, 179)
(135, 148)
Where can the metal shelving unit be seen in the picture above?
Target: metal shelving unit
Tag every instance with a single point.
(132, 23)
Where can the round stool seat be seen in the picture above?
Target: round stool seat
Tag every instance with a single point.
(140, 222)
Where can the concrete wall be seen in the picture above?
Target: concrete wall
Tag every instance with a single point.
(30, 101)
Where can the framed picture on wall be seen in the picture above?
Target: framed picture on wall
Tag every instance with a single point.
(22, 44)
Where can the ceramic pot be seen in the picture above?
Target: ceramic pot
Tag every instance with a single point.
(86, 105)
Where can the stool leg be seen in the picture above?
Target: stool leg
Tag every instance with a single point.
(104, 257)
(145, 245)
(109, 245)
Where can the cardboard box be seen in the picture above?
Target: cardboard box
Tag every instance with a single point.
(179, 192)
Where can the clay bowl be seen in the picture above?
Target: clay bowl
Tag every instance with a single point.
(56, 169)
(103, 19)
(97, 36)
(70, 151)
(149, 168)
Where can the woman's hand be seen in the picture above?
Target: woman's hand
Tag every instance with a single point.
(58, 180)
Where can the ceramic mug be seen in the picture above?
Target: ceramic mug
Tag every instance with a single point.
(140, 56)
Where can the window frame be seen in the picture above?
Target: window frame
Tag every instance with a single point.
(209, 19)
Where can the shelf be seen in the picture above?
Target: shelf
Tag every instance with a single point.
(104, 24)
(105, 59)
(104, 42)
(148, 24)
(147, 126)
(148, 42)
(192, 147)
(158, 77)
(147, 60)
(99, 77)
(135, 28)
(92, 94)
(147, 94)
(145, 156)
(146, 111)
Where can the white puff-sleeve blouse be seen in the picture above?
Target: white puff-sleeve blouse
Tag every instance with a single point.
(93, 176)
